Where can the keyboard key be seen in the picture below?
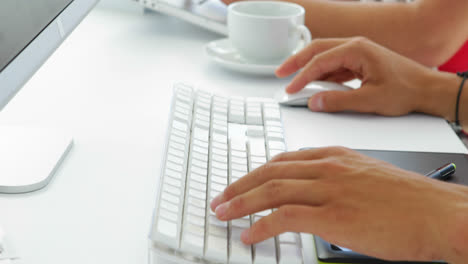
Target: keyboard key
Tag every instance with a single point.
(257, 148)
(170, 198)
(197, 194)
(239, 145)
(236, 116)
(176, 152)
(239, 252)
(169, 206)
(168, 215)
(195, 210)
(218, 187)
(214, 153)
(179, 125)
(193, 243)
(177, 139)
(198, 178)
(271, 114)
(167, 233)
(271, 123)
(265, 251)
(197, 186)
(278, 145)
(172, 190)
(289, 254)
(221, 146)
(255, 131)
(199, 156)
(173, 173)
(274, 136)
(220, 129)
(238, 154)
(216, 248)
(289, 237)
(173, 182)
(199, 164)
(219, 158)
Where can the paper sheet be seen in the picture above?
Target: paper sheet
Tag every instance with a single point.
(415, 132)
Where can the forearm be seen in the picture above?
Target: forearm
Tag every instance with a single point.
(419, 30)
(455, 244)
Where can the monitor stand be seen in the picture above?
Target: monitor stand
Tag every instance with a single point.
(29, 157)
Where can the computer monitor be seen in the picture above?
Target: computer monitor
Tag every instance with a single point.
(30, 31)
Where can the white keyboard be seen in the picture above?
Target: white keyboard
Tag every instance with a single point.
(213, 141)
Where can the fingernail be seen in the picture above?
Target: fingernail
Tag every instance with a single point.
(316, 103)
(245, 236)
(221, 210)
(216, 201)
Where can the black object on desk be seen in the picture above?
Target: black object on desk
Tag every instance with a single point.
(443, 173)
(420, 162)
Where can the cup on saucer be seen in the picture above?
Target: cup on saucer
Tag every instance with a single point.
(267, 32)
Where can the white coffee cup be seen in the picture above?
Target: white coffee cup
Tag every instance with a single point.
(267, 31)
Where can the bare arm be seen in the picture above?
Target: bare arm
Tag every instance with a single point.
(428, 31)
(392, 84)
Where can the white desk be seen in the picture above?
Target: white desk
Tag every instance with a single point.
(110, 85)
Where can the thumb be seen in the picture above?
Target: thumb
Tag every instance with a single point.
(337, 101)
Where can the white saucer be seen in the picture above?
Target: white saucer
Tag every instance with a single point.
(222, 52)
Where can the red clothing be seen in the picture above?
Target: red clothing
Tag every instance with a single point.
(459, 61)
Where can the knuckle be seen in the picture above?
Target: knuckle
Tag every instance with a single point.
(274, 188)
(317, 63)
(285, 215)
(280, 157)
(264, 171)
(260, 227)
(237, 203)
(230, 192)
(327, 164)
(360, 40)
(340, 149)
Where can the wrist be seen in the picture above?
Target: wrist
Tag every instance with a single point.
(438, 94)
(457, 240)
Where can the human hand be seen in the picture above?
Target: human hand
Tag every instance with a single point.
(392, 85)
(354, 201)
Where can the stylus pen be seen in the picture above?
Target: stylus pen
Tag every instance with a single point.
(442, 173)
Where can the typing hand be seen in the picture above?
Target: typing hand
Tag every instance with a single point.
(392, 85)
(354, 201)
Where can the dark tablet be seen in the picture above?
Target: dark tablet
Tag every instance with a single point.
(421, 162)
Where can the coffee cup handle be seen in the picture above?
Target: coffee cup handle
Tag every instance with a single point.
(305, 35)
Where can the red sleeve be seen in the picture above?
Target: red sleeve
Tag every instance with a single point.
(459, 61)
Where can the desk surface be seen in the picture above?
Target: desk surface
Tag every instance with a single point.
(109, 84)
(98, 207)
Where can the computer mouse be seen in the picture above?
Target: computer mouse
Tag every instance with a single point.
(301, 98)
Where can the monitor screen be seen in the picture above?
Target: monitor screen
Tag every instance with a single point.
(21, 21)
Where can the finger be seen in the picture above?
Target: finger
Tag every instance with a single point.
(341, 77)
(272, 194)
(336, 101)
(289, 218)
(269, 171)
(309, 154)
(347, 56)
(300, 59)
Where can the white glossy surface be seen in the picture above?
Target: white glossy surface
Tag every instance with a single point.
(224, 54)
(109, 84)
(267, 31)
(301, 98)
(30, 156)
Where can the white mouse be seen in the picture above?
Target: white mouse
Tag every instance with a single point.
(301, 98)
